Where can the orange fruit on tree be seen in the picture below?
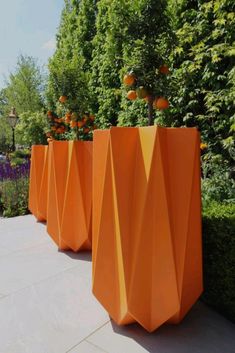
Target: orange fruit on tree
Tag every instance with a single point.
(92, 117)
(203, 146)
(49, 113)
(141, 92)
(80, 123)
(73, 124)
(164, 69)
(63, 99)
(48, 134)
(59, 130)
(161, 103)
(129, 79)
(53, 128)
(74, 116)
(86, 130)
(85, 118)
(131, 95)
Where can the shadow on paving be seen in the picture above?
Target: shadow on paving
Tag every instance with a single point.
(201, 331)
(81, 255)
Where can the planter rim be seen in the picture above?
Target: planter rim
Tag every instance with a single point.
(70, 141)
(112, 128)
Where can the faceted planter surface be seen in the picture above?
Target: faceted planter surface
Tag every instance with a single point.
(147, 257)
(38, 182)
(69, 194)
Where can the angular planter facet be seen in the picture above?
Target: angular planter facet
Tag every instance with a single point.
(69, 194)
(38, 182)
(147, 256)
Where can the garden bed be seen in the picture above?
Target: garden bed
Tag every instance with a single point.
(14, 183)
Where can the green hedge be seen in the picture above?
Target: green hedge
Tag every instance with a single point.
(219, 257)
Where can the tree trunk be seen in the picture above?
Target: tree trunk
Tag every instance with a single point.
(150, 111)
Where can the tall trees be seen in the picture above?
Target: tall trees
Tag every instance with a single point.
(69, 68)
(131, 36)
(99, 41)
(24, 91)
(24, 87)
(204, 76)
(112, 27)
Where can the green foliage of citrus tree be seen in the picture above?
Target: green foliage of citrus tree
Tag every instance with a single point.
(145, 53)
(129, 38)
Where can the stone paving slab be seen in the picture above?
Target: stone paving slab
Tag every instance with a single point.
(85, 347)
(22, 268)
(46, 305)
(202, 331)
(51, 316)
(21, 233)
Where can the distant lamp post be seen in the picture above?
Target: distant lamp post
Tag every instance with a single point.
(12, 120)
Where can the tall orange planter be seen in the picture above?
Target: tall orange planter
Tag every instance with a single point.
(69, 194)
(38, 182)
(147, 257)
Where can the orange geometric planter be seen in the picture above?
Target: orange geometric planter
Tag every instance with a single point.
(38, 182)
(69, 195)
(147, 257)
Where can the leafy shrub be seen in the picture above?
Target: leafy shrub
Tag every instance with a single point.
(218, 183)
(19, 157)
(219, 257)
(14, 197)
(31, 129)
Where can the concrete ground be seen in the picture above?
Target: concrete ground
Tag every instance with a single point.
(46, 305)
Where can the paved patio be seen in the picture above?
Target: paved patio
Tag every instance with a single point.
(46, 305)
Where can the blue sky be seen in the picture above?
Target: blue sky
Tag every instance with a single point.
(27, 27)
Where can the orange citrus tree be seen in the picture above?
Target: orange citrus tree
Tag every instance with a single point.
(145, 73)
(66, 124)
(152, 96)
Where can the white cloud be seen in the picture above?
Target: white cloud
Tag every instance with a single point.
(49, 45)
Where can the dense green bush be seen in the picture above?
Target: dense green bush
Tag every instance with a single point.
(218, 182)
(31, 129)
(5, 135)
(19, 157)
(14, 197)
(219, 257)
